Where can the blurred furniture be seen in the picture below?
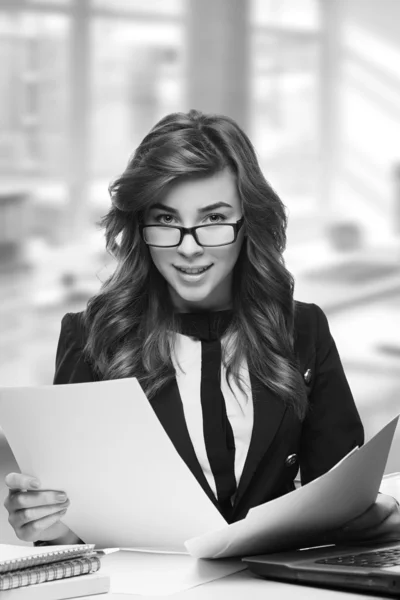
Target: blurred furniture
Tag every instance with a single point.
(14, 293)
(13, 225)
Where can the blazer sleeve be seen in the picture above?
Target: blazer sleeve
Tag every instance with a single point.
(71, 367)
(332, 426)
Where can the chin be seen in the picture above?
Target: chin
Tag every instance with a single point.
(193, 296)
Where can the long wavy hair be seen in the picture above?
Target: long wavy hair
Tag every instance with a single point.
(130, 323)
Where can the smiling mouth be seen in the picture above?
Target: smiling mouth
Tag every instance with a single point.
(193, 270)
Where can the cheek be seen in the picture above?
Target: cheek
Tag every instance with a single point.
(226, 259)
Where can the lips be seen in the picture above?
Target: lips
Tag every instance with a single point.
(193, 270)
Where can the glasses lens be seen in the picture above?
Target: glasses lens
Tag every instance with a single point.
(161, 236)
(216, 235)
(211, 235)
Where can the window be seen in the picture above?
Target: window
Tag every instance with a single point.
(284, 96)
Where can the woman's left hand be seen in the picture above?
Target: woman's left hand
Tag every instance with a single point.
(380, 522)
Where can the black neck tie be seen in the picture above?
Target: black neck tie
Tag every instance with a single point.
(218, 434)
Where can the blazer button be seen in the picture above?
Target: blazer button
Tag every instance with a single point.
(291, 459)
(307, 376)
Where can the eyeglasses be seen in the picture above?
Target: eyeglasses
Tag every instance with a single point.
(169, 236)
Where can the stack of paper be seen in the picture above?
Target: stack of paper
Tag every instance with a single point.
(292, 520)
(103, 444)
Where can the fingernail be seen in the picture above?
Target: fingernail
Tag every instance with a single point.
(62, 512)
(61, 497)
(35, 483)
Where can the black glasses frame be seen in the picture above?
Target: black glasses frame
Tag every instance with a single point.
(193, 231)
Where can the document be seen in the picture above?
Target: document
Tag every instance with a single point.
(104, 446)
(291, 521)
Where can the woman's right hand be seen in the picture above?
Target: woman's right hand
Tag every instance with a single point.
(35, 514)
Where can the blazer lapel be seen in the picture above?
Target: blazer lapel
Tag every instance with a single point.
(169, 410)
(269, 411)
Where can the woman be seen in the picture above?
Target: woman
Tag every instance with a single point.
(247, 383)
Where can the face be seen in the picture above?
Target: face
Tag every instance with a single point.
(186, 205)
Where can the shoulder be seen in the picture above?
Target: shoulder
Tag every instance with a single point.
(71, 365)
(311, 328)
(307, 316)
(73, 328)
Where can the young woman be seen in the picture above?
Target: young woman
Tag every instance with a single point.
(247, 382)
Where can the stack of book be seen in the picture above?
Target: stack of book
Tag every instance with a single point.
(51, 573)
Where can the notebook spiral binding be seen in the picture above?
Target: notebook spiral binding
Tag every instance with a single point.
(25, 562)
(50, 571)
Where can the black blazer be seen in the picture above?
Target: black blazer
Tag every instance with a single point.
(280, 443)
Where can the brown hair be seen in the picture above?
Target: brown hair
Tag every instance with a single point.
(130, 320)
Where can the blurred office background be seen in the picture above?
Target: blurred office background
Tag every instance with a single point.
(315, 84)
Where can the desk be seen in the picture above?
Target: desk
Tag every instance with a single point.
(245, 586)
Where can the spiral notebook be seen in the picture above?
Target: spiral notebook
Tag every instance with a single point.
(24, 566)
(72, 587)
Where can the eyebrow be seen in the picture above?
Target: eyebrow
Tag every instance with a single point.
(200, 210)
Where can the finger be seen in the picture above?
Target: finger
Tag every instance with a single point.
(373, 517)
(20, 518)
(32, 530)
(20, 481)
(20, 500)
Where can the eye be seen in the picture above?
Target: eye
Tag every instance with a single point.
(222, 217)
(159, 217)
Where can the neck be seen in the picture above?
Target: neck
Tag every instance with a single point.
(220, 301)
(200, 309)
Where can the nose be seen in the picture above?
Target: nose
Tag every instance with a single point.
(189, 246)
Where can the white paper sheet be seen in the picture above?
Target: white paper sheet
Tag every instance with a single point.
(328, 502)
(103, 444)
(151, 574)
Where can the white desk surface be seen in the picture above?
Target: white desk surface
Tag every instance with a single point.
(246, 586)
